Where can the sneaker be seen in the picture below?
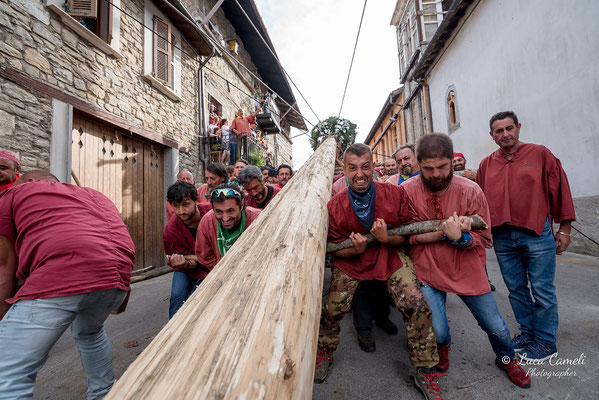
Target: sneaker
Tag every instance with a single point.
(426, 381)
(366, 342)
(535, 351)
(520, 341)
(443, 358)
(515, 373)
(324, 359)
(388, 326)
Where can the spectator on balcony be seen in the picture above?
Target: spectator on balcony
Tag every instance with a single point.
(240, 127)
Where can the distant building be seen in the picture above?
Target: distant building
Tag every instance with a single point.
(538, 58)
(416, 22)
(387, 133)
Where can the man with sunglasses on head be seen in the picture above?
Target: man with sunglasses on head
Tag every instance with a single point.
(223, 225)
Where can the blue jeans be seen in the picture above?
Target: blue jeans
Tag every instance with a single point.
(182, 287)
(483, 307)
(525, 257)
(233, 151)
(30, 329)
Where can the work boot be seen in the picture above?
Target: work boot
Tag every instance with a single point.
(515, 373)
(426, 380)
(388, 326)
(366, 342)
(443, 358)
(324, 359)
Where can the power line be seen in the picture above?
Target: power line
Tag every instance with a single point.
(194, 57)
(352, 58)
(277, 59)
(592, 240)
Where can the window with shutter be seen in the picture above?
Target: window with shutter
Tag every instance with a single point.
(162, 52)
(83, 8)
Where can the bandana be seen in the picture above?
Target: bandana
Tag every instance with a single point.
(226, 239)
(403, 178)
(7, 155)
(363, 205)
(458, 155)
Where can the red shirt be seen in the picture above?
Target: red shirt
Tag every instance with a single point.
(441, 265)
(206, 245)
(251, 202)
(69, 240)
(339, 185)
(242, 125)
(177, 239)
(202, 192)
(527, 189)
(378, 262)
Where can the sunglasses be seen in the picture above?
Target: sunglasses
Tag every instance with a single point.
(226, 192)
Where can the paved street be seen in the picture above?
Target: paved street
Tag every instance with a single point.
(386, 373)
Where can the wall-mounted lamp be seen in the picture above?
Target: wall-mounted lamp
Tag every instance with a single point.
(233, 46)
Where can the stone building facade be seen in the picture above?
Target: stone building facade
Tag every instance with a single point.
(110, 103)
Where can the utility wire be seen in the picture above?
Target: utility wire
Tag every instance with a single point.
(194, 57)
(277, 59)
(352, 58)
(592, 240)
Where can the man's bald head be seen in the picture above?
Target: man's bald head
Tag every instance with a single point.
(185, 176)
(36, 175)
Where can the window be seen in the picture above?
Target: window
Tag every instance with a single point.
(453, 118)
(95, 15)
(163, 52)
(431, 17)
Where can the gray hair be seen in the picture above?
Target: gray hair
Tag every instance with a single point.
(250, 173)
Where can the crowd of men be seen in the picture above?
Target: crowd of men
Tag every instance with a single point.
(48, 285)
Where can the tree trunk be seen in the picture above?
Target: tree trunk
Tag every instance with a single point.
(410, 229)
(250, 329)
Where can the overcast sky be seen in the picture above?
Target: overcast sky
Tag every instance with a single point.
(314, 40)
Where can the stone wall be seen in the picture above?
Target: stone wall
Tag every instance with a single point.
(52, 53)
(587, 221)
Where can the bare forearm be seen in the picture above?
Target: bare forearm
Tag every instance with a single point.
(565, 226)
(430, 237)
(394, 241)
(347, 253)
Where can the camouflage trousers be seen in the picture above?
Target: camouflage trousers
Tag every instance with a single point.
(404, 289)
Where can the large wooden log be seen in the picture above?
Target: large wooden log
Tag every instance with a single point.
(250, 330)
(414, 228)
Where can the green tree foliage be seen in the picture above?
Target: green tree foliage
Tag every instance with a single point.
(343, 129)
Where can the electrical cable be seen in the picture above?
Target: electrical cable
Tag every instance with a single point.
(592, 240)
(194, 58)
(352, 58)
(276, 58)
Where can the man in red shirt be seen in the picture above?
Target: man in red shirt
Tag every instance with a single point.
(179, 240)
(527, 190)
(452, 260)
(459, 164)
(183, 176)
(223, 225)
(285, 172)
(258, 194)
(406, 164)
(241, 128)
(9, 169)
(367, 206)
(74, 253)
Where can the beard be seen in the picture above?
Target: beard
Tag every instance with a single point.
(436, 184)
(459, 167)
(407, 170)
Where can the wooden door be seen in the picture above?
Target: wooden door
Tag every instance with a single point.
(131, 174)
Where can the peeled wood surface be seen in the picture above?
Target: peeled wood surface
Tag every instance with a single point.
(250, 330)
(414, 228)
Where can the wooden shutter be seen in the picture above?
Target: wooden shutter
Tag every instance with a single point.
(162, 51)
(83, 8)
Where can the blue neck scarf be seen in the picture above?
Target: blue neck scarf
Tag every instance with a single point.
(363, 205)
(402, 179)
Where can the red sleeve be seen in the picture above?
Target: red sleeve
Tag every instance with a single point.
(7, 225)
(560, 197)
(404, 214)
(334, 234)
(481, 207)
(204, 251)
